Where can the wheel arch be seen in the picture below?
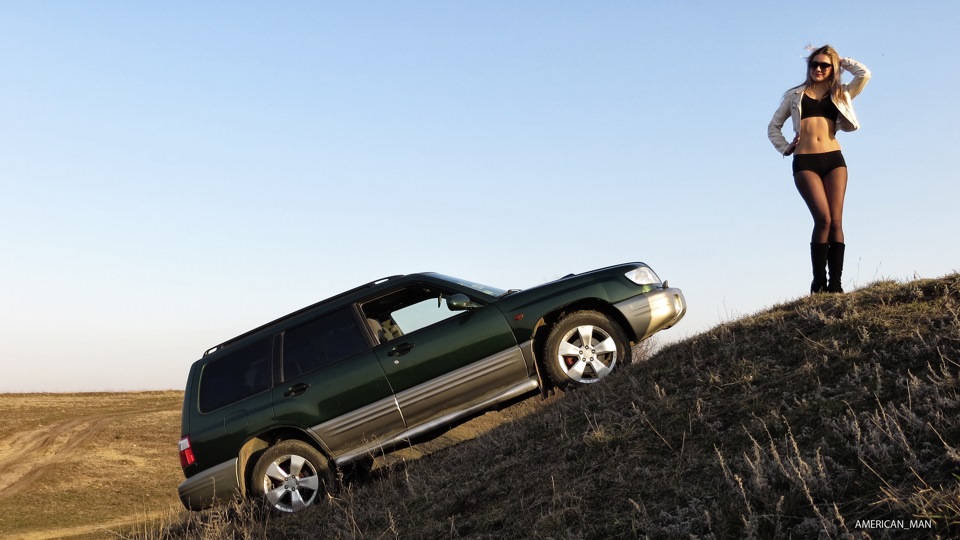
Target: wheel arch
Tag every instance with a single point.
(543, 326)
(252, 449)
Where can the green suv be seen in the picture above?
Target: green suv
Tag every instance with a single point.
(272, 412)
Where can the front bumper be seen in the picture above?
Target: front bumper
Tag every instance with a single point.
(218, 483)
(651, 312)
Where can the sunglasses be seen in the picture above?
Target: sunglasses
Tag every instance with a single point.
(822, 65)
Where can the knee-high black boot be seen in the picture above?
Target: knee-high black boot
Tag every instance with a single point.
(818, 257)
(835, 263)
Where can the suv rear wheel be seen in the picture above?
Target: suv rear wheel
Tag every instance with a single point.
(291, 475)
(584, 347)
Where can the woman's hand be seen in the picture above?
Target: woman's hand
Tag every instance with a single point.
(793, 145)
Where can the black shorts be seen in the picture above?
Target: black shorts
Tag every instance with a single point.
(821, 164)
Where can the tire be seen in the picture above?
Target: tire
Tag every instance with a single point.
(583, 347)
(290, 476)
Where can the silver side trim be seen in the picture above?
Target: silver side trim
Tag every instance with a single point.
(344, 431)
(220, 482)
(404, 438)
(462, 386)
(533, 367)
(654, 311)
(529, 357)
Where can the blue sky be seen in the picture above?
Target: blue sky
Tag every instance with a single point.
(173, 174)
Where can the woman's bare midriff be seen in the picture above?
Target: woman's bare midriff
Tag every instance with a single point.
(817, 135)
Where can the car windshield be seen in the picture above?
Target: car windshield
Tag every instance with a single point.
(485, 289)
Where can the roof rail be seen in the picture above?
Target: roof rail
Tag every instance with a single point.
(373, 283)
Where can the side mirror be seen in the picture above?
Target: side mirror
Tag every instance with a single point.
(461, 302)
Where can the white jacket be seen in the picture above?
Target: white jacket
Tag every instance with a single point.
(790, 106)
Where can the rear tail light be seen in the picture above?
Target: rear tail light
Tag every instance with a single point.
(186, 453)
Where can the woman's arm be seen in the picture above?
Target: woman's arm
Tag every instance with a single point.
(860, 76)
(775, 127)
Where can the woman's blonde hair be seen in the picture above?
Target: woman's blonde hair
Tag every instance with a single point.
(836, 88)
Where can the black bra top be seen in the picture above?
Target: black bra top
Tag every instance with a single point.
(810, 107)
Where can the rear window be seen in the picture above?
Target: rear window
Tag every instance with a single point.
(235, 376)
(321, 342)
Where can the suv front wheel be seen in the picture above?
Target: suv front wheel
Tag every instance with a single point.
(584, 347)
(291, 475)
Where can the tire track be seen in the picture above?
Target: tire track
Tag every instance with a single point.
(106, 528)
(29, 455)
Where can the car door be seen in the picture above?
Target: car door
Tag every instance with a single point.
(442, 360)
(333, 383)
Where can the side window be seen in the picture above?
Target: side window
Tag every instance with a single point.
(321, 342)
(406, 310)
(422, 314)
(235, 376)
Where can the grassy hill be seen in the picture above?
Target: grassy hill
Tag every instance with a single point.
(830, 416)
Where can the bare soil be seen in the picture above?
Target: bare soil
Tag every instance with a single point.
(77, 465)
(89, 465)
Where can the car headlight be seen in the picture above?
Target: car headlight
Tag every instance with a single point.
(643, 275)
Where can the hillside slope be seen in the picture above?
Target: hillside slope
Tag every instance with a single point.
(829, 416)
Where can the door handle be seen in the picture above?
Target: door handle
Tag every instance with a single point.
(401, 349)
(296, 390)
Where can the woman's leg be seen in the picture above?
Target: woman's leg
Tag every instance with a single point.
(813, 190)
(835, 187)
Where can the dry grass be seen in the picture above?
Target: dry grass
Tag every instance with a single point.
(833, 416)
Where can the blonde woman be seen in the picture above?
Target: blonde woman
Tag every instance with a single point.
(818, 108)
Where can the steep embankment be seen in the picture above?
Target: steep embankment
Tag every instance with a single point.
(831, 414)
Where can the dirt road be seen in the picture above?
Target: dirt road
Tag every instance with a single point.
(69, 474)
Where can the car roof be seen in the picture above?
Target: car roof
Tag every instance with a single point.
(353, 294)
(366, 286)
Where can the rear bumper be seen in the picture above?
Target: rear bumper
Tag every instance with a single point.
(218, 483)
(653, 311)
